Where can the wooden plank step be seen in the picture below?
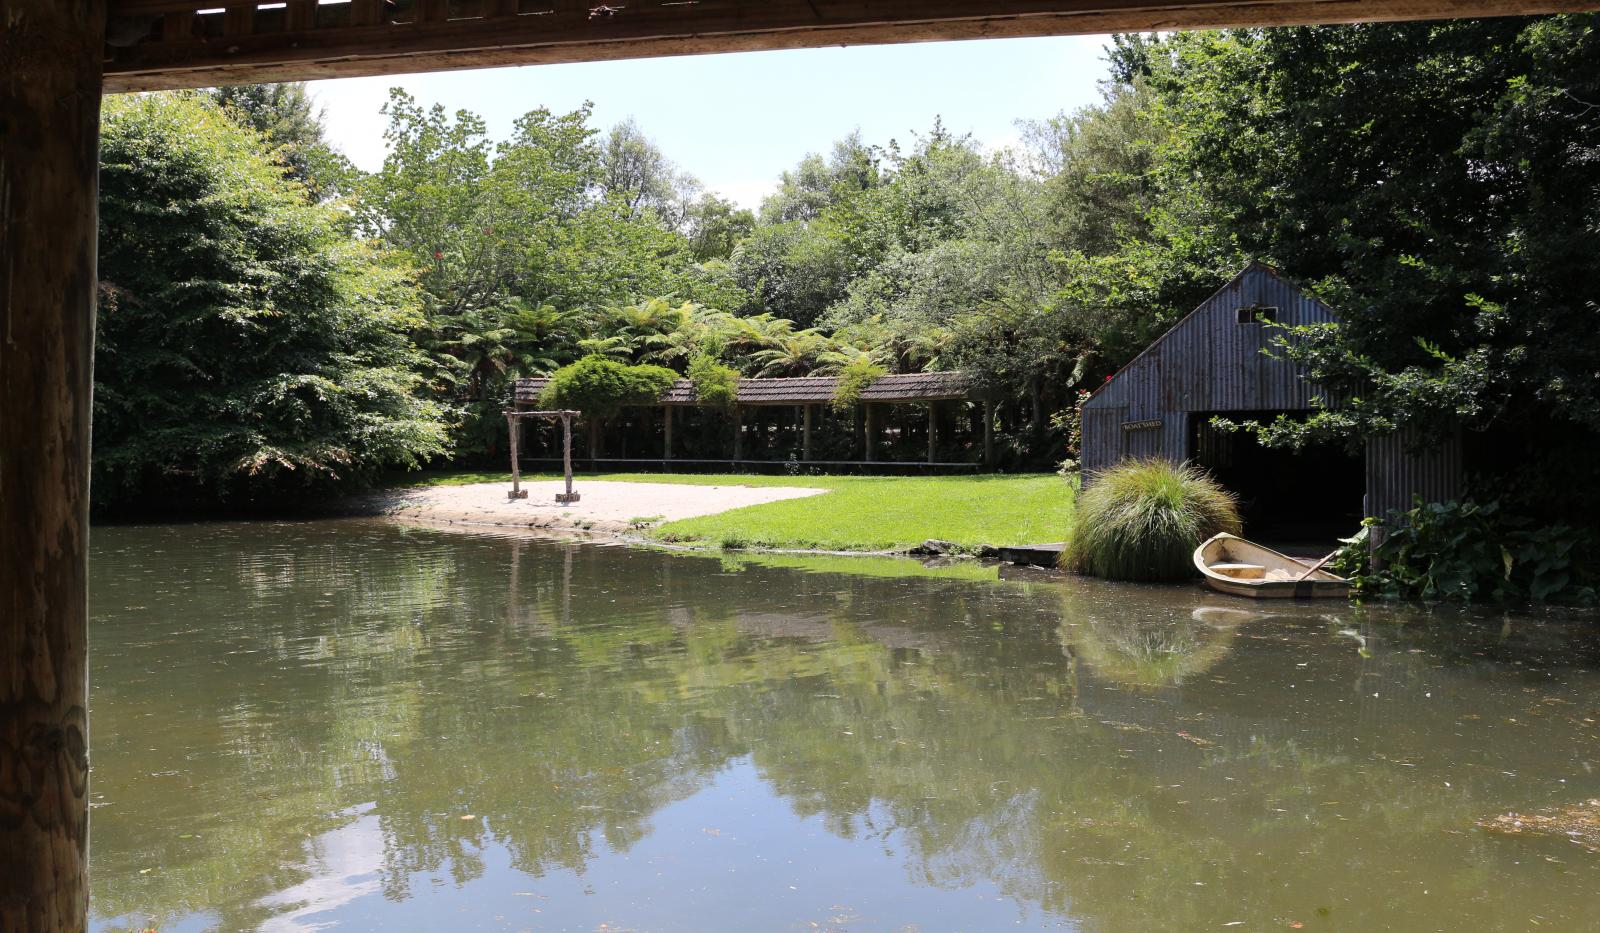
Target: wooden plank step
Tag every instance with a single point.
(1034, 555)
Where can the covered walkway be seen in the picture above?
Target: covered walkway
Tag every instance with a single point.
(932, 419)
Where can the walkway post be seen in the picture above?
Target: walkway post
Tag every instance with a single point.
(49, 153)
(805, 442)
(869, 453)
(988, 432)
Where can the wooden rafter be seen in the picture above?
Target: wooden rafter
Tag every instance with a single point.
(161, 44)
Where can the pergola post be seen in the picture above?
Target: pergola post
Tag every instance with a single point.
(666, 421)
(805, 440)
(988, 432)
(49, 153)
(515, 425)
(868, 452)
(933, 431)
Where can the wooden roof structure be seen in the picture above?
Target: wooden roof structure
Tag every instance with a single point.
(802, 390)
(165, 44)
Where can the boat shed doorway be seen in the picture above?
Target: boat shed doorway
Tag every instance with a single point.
(1306, 496)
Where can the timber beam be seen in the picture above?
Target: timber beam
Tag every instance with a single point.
(167, 44)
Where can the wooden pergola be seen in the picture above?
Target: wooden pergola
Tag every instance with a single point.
(808, 394)
(57, 57)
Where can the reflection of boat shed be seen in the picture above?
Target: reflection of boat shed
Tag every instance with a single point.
(1212, 363)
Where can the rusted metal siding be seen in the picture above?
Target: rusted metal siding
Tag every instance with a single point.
(1402, 467)
(1208, 362)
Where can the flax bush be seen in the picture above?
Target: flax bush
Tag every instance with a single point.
(1142, 520)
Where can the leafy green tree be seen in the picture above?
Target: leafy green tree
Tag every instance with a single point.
(717, 225)
(247, 347)
(796, 354)
(285, 116)
(600, 387)
(640, 177)
(1436, 182)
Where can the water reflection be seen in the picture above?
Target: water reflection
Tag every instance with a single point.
(301, 725)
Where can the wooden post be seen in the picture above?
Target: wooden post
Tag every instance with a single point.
(49, 153)
(738, 432)
(988, 432)
(566, 456)
(805, 442)
(867, 452)
(514, 424)
(666, 420)
(1036, 412)
(933, 431)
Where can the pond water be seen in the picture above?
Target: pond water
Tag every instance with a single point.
(364, 726)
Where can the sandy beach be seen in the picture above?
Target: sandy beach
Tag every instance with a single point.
(605, 506)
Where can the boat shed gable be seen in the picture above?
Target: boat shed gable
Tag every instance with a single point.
(1212, 360)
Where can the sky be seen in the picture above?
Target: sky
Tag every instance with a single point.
(736, 121)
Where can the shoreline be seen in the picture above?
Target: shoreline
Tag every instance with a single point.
(476, 506)
(597, 515)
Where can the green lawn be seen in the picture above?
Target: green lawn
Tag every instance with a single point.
(860, 513)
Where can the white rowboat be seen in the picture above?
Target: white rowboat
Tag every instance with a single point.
(1231, 564)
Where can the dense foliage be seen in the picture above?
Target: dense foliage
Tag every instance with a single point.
(1470, 552)
(599, 387)
(715, 385)
(247, 347)
(1143, 519)
(1438, 183)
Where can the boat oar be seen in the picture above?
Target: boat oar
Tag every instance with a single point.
(1317, 566)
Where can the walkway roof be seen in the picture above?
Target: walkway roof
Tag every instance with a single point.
(806, 390)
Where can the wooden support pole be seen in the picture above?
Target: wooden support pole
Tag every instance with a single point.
(738, 432)
(49, 153)
(667, 417)
(566, 456)
(933, 431)
(988, 432)
(514, 424)
(805, 442)
(868, 452)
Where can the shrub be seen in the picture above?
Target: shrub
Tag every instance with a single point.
(1472, 552)
(598, 386)
(1142, 520)
(714, 384)
(853, 380)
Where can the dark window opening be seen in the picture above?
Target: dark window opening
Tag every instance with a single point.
(1302, 500)
(1258, 314)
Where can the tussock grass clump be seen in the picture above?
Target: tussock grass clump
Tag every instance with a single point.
(1142, 520)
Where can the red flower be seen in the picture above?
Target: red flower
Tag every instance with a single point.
(437, 254)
